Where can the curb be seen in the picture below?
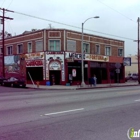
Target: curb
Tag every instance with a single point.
(81, 88)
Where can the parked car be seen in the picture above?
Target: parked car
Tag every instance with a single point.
(131, 76)
(1, 80)
(14, 82)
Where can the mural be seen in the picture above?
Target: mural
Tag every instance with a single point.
(12, 65)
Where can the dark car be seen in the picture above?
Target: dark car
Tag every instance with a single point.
(1, 80)
(14, 82)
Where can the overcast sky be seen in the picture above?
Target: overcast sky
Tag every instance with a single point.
(118, 18)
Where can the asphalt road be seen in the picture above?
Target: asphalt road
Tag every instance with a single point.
(94, 114)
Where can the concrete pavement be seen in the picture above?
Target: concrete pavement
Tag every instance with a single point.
(78, 87)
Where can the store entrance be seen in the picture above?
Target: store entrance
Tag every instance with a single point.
(55, 77)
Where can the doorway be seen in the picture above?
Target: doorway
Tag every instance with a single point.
(55, 77)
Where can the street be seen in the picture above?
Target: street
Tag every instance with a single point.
(90, 114)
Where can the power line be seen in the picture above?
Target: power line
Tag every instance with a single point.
(70, 25)
(116, 11)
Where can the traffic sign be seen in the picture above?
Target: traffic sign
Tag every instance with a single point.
(117, 65)
(117, 70)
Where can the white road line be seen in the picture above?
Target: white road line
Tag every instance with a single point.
(55, 113)
(137, 100)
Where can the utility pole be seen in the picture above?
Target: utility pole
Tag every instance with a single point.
(3, 36)
(138, 52)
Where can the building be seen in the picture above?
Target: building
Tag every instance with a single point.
(54, 55)
(134, 65)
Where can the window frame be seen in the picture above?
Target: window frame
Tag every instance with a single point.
(1, 50)
(18, 48)
(11, 50)
(28, 47)
(42, 45)
(53, 46)
(122, 52)
(96, 49)
(109, 51)
(88, 47)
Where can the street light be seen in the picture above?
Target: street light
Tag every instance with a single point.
(82, 52)
(138, 53)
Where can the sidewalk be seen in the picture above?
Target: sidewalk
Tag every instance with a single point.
(75, 87)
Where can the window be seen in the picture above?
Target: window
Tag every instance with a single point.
(108, 51)
(86, 48)
(54, 45)
(9, 50)
(120, 52)
(39, 46)
(97, 51)
(29, 47)
(20, 48)
(71, 45)
(1, 50)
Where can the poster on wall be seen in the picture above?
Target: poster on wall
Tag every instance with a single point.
(73, 72)
(12, 65)
(127, 61)
(55, 61)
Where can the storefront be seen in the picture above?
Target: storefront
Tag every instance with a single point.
(35, 68)
(55, 70)
(98, 65)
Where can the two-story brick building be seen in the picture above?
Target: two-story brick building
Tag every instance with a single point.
(55, 55)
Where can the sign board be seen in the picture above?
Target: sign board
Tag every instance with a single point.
(73, 72)
(127, 61)
(117, 70)
(54, 65)
(117, 65)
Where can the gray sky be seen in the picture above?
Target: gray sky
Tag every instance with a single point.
(118, 18)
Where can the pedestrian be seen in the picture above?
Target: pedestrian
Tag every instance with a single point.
(95, 80)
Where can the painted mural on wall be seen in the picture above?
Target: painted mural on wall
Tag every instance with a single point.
(12, 64)
(55, 61)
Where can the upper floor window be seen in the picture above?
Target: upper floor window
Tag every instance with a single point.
(54, 45)
(71, 45)
(29, 47)
(39, 46)
(20, 48)
(86, 48)
(120, 52)
(9, 50)
(1, 50)
(97, 49)
(107, 51)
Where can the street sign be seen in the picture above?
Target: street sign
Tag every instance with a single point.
(117, 65)
(117, 70)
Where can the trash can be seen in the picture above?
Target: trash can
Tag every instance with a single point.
(48, 83)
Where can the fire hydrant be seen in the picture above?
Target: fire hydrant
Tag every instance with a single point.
(37, 83)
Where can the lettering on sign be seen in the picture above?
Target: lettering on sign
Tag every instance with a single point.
(54, 65)
(96, 57)
(34, 63)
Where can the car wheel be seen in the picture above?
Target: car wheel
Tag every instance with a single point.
(12, 84)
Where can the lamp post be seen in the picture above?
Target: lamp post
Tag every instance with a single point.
(82, 53)
(138, 53)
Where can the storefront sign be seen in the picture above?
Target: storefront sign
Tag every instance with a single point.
(76, 56)
(34, 56)
(54, 65)
(34, 63)
(73, 72)
(93, 57)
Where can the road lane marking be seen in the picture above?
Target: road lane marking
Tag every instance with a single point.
(61, 112)
(137, 100)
